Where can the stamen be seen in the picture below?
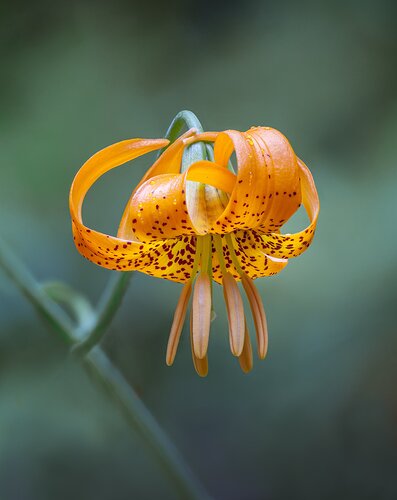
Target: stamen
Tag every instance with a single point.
(177, 324)
(255, 301)
(180, 311)
(258, 313)
(200, 365)
(202, 302)
(234, 303)
(245, 359)
(201, 315)
(235, 313)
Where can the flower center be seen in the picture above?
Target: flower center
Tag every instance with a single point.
(207, 247)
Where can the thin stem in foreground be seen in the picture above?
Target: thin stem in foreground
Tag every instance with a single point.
(143, 422)
(36, 294)
(107, 377)
(108, 305)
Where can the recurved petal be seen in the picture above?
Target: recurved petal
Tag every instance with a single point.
(170, 160)
(207, 193)
(168, 163)
(245, 207)
(253, 260)
(267, 189)
(208, 172)
(292, 245)
(99, 247)
(108, 158)
(283, 196)
(158, 209)
(169, 258)
(170, 205)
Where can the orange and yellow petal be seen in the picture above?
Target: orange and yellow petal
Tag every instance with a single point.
(285, 246)
(170, 205)
(169, 162)
(158, 209)
(267, 188)
(245, 207)
(170, 258)
(283, 195)
(253, 260)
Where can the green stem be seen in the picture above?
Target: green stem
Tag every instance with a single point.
(75, 303)
(184, 119)
(142, 421)
(108, 305)
(106, 375)
(36, 294)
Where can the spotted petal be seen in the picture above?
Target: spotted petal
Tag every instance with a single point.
(267, 188)
(285, 246)
(170, 258)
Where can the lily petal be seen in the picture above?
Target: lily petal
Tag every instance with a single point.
(292, 245)
(170, 258)
(207, 188)
(158, 210)
(208, 172)
(168, 163)
(267, 188)
(245, 208)
(253, 261)
(283, 195)
(89, 241)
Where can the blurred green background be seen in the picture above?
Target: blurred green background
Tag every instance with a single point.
(318, 418)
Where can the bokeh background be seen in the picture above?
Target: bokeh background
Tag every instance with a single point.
(316, 419)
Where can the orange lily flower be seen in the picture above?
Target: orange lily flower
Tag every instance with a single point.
(206, 223)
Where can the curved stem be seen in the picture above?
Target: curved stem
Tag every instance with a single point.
(142, 421)
(184, 119)
(108, 305)
(106, 375)
(76, 304)
(34, 292)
